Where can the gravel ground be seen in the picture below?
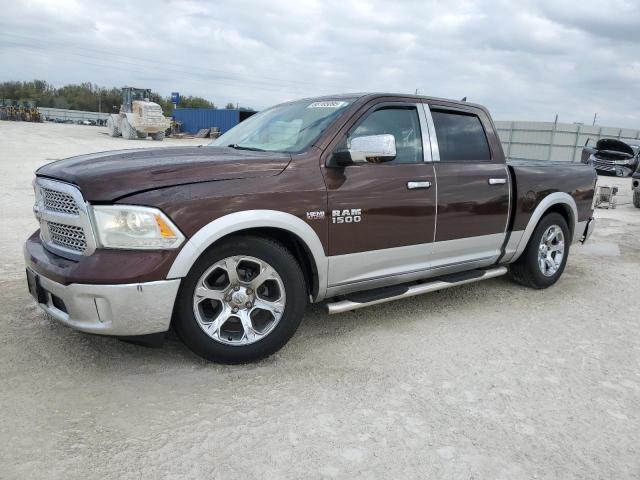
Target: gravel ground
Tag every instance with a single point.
(490, 380)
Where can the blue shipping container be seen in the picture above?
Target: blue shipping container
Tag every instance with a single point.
(194, 119)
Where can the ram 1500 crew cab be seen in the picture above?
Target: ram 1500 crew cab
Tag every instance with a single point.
(351, 199)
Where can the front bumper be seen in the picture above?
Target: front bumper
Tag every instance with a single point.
(120, 310)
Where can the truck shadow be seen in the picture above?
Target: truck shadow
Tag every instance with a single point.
(43, 340)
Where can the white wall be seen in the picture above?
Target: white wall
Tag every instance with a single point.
(554, 141)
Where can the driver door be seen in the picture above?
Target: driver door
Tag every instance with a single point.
(382, 215)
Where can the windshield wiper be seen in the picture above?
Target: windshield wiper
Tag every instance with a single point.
(240, 147)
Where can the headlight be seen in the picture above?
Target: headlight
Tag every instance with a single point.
(621, 162)
(128, 226)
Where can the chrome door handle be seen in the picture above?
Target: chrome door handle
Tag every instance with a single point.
(414, 185)
(497, 181)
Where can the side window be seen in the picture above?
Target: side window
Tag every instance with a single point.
(401, 122)
(460, 137)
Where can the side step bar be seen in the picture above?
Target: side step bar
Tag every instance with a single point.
(374, 297)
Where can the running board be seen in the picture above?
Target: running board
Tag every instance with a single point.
(382, 295)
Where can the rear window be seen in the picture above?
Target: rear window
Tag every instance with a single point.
(461, 137)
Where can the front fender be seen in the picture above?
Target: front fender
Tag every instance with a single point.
(239, 221)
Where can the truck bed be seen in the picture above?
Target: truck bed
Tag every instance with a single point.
(531, 183)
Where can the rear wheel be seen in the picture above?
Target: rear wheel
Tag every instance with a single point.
(158, 136)
(142, 135)
(241, 301)
(636, 198)
(543, 260)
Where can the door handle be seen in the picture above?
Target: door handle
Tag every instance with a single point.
(497, 181)
(414, 185)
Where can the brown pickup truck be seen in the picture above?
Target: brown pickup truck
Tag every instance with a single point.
(350, 199)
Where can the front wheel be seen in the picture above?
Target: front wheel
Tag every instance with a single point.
(128, 131)
(241, 301)
(543, 260)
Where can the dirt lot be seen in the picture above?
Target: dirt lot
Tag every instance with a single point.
(482, 381)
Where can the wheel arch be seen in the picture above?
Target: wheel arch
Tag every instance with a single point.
(295, 234)
(559, 202)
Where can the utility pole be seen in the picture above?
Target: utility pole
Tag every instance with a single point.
(595, 115)
(100, 101)
(416, 91)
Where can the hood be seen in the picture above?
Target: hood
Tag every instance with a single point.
(614, 148)
(107, 176)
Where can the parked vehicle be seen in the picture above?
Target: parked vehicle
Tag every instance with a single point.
(354, 200)
(612, 156)
(635, 187)
(138, 116)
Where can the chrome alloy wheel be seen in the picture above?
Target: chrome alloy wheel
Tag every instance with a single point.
(551, 250)
(239, 300)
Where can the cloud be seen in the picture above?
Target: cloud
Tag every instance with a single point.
(524, 60)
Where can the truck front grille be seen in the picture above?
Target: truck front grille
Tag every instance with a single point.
(59, 202)
(65, 227)
(68, 236)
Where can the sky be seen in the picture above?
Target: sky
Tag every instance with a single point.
(524, 60)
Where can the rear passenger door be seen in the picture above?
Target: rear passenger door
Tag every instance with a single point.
(473, 187)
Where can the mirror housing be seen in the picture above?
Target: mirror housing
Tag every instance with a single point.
(368, 148)
(373, 148)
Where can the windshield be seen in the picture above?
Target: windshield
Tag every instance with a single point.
(289, 127)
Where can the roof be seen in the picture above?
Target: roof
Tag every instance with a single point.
(372, 95)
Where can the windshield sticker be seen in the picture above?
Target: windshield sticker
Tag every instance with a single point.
(327, 104)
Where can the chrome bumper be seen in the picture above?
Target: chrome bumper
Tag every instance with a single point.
(121, 310)
(591, 224)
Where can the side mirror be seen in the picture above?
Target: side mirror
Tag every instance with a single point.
(373, 148)
(370, 148)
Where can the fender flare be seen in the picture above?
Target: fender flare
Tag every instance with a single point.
(239, 221)
(556, 198)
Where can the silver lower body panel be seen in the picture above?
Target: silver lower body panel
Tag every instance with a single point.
(365, 270)
(120, 310)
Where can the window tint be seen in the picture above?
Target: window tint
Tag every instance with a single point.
(460, 137)
(401, 122)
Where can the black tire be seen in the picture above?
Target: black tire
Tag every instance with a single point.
(286, 266)
(636, 198)
(158, 136)
(526, 270)
(141, 135)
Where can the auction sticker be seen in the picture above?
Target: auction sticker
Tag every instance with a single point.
(327, 104)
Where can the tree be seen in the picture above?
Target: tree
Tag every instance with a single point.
(230, 106)
(85, 96)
